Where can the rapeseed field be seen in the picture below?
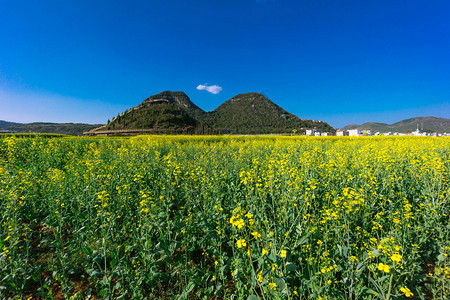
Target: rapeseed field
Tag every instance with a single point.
(219, 217)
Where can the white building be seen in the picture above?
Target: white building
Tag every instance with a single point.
(353, 132)
(418, 132)
(339, 133)
(309, 132)
(317, 133)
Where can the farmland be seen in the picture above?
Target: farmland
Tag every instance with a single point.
(217, 217)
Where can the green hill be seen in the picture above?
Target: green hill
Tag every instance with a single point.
(178, 98)
(4, 124)
(253, 113)
(60, 128)
(158, 114)
(429, 124)
(250, 113)
(164, 111)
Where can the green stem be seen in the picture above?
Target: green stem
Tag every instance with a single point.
(388, 295)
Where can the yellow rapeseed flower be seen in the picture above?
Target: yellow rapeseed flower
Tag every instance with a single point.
(383, 267)
(256, 235)
(260, 278)
(239, 223)
(241, 243)
(406, 291)
(283, 253)
(396, 257)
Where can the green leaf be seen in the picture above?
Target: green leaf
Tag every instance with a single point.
(359, 271)
(102, 292)
(87, 250)
(290, 267)
(260, 262)
(252, 297)
(253, 279)
(113, 263)
(218, 289)
(190, 287)
(163, 259)
(183, 296)
(380, 292)
(273, 256)
(370, 291)
(441, 257)
(99, 259)
(281, 285)
(94, 273)
(105, 280)
(117, 286)
(302, 241)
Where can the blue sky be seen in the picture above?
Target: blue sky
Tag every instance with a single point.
(341, 62)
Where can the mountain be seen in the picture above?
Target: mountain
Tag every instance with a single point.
(178, 98)
(61, 128)
(255, 114)
(4, 124)
(250, 113)
(164, 111)
(429, 124)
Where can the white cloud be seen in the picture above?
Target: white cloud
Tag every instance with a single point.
(213, 89)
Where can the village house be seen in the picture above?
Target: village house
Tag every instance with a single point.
(353, 132)
(309, 132)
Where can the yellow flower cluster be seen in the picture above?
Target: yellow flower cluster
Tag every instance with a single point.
(383, 267)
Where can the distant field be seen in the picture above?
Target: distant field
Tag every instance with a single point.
(33, 135)
(214, 217)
